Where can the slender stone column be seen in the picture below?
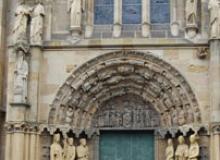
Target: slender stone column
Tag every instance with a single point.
(33, 146)
(117, 18)
(214, 80)
(8, 146)
(27, 141)
(146, 18)
(18, 140)
(35, 61)
(90, 18)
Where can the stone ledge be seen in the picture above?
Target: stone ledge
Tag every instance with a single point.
(120, 42)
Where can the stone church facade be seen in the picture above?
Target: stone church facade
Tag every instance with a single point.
(110, 79)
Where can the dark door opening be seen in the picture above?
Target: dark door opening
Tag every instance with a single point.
(127, 145)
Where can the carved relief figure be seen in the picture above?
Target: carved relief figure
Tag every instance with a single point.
(194, 148)
(190, 115)
(191, 12)
(174, 116)
(21, 76)
(127, 118)
(19, 31)
(37, 25)
(214, 9)
(82, 151)
(56, 151)
(182, 151)
(70, 150)
(197, 115)
(61, 114)
(170, 150)
(182, 117)
(69, 115)
(75, 10)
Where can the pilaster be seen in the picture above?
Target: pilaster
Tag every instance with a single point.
(214, 80)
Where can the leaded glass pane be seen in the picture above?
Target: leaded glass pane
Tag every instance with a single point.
(131, 12)
(160, 11)
(103, 12)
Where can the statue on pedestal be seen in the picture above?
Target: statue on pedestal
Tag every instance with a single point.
(21, 74)
(37, 25)
(56, 151)
(214, 9)
(191, 13)
(182, 151)
(170, 150)
(69, 150)
(82, 151)
(19, 31)
(75, 10)
(194, 148)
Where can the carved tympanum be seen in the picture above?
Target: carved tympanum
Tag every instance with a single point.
(127, 111)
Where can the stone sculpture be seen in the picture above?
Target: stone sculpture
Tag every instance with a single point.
(37, 25)
(194, 148)
(174, 117)
(191, 13)
(19, 31)
(191, 18)
(182, 149)
(56, 151)
(69, 150)
(182, 117)
(69, 115)
(21, 76)
(170, 150)
(75, 10)
(214, 9)
(82, 151)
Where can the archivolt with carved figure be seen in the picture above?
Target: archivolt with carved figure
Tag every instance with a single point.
(93, 92)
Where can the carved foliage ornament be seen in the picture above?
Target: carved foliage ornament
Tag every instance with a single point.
(123, 73)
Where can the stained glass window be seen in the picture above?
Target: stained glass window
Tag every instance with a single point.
(131, 10)
(104, 12)
(160, 11)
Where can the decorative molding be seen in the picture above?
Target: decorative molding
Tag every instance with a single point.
(122, 73)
